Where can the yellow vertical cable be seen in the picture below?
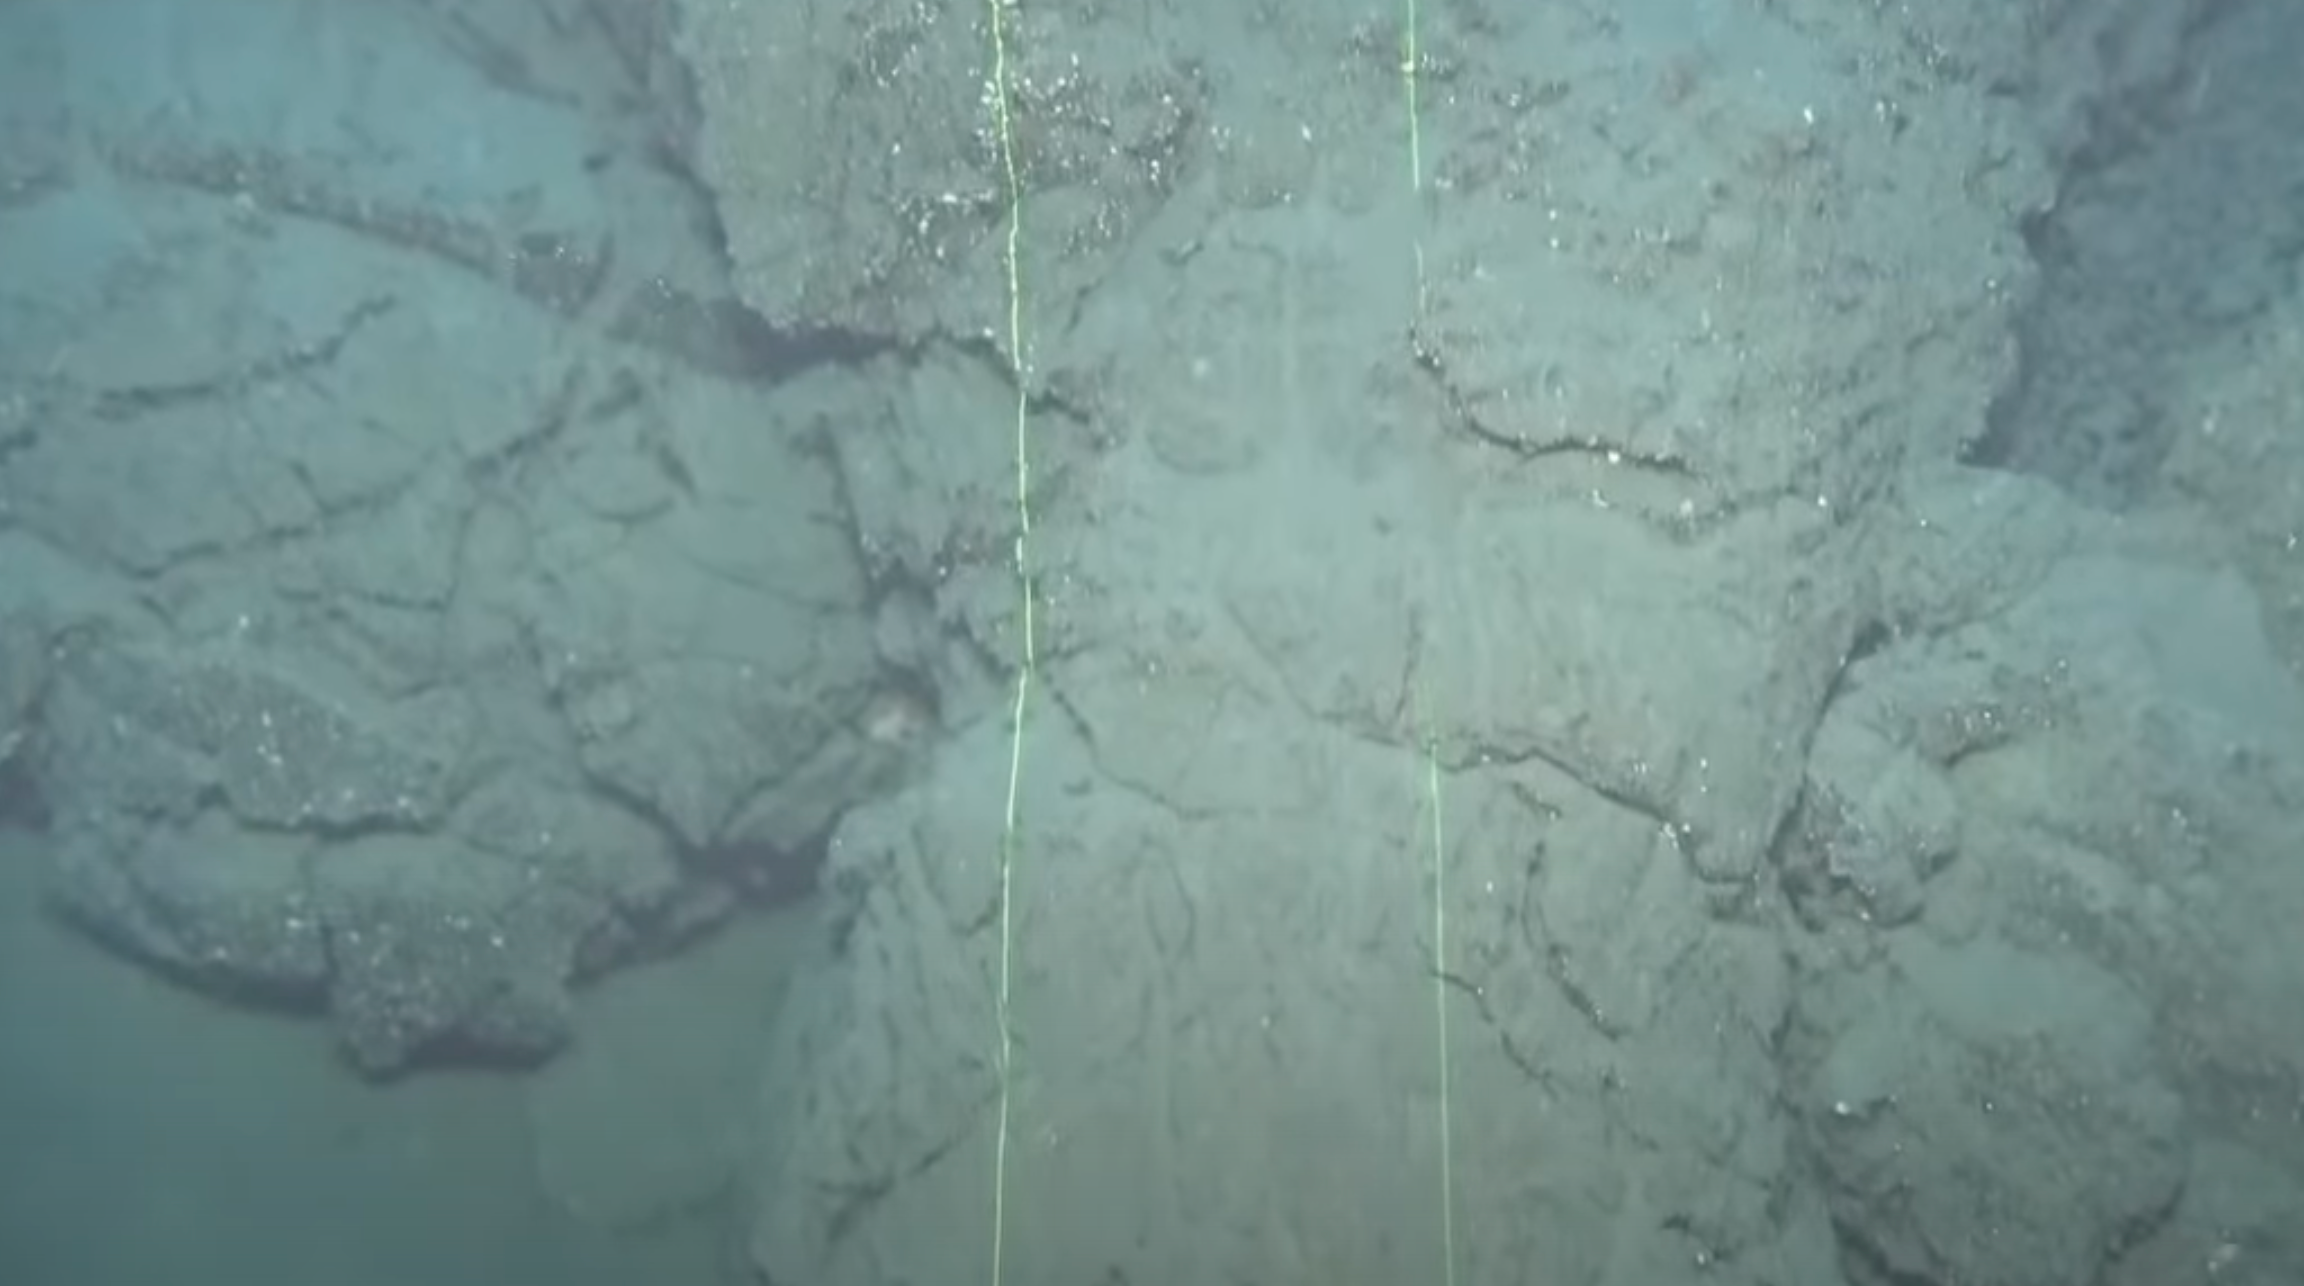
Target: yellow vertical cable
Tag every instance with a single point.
(1440, 1012)
(1004, 136)
(1410, 55)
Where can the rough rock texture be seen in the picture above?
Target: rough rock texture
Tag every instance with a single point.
(853, 146)
(2047, 1043)
(431, 607)
(1588, 713)
(1551, 597)
(1991, 1115)
(246, 831)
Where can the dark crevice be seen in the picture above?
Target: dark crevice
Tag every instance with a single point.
(724, 338)
(1868, 1263)
(2156, 249)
